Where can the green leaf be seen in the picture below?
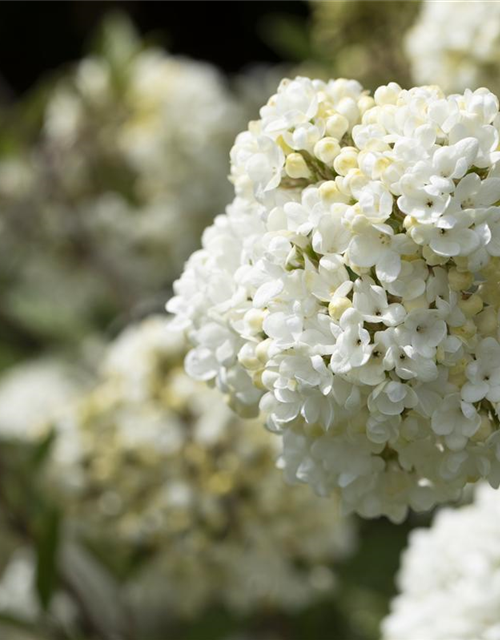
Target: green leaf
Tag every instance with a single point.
(46, 550)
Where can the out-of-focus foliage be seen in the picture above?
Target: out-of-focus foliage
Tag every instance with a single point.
(363, 39)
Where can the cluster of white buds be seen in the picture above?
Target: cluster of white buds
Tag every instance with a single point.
(350, 292)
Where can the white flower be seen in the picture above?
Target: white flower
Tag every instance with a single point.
(483, 373)
(456, 420)
(451, 236)
(372, 274)
(392, 398)
(449, 579)
(424, 330)
(371, 301)
(377, 247)
(352, 348)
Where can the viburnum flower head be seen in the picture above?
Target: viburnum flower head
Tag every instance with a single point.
(350, 291)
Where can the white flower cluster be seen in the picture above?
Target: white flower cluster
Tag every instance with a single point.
(450, 577)
(154, 462)
(111, 195)
(462, 55)
(350, 292)
(34, 392)
(144, 159)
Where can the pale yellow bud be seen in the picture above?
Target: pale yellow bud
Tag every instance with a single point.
(346, 160)
(416, 303)
(355, 180)
(466, 331)
(262, 350)
(380, 165)
(365, 103)
(337, 307)
(409, 222)
(484, 431)
(257, 380)
(253, 320)
(326, 150)
(286, 148)
(458, 379)
(460, 280)
(371, 116)
(349, 109)
(247, 357)
(330, 193)
(462, 263)
(487, 322)
(491, 270)
(459, 367)
(471, 306)
(337, 125)
(387, 94)
(296, 166)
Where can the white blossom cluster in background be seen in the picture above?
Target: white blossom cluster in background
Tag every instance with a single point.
(152, 462)
(350, 292)
(129, 166)
(456, 45)
(169, 127)
(450, 577)
(34, 392)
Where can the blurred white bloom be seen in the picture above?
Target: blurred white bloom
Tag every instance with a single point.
(462, 55)
(156, 465)
(17, 586)
(104, 206)
(348, 290)
(33, 393)
(450, 577)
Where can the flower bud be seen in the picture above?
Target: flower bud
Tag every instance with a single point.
(336, 126)
(296, 166)
(487, 322)
(327, 150)
(459, 280)
(471, 306)
(337, 307)
(346, 160)
(387, 94)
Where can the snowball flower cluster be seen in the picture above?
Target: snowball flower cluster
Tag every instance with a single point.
(350, 292)
(156, 464)
(450, 577)
(465, 53)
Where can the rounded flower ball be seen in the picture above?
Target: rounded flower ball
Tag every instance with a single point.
(155, 465)
(350, 291)
(450, 577)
